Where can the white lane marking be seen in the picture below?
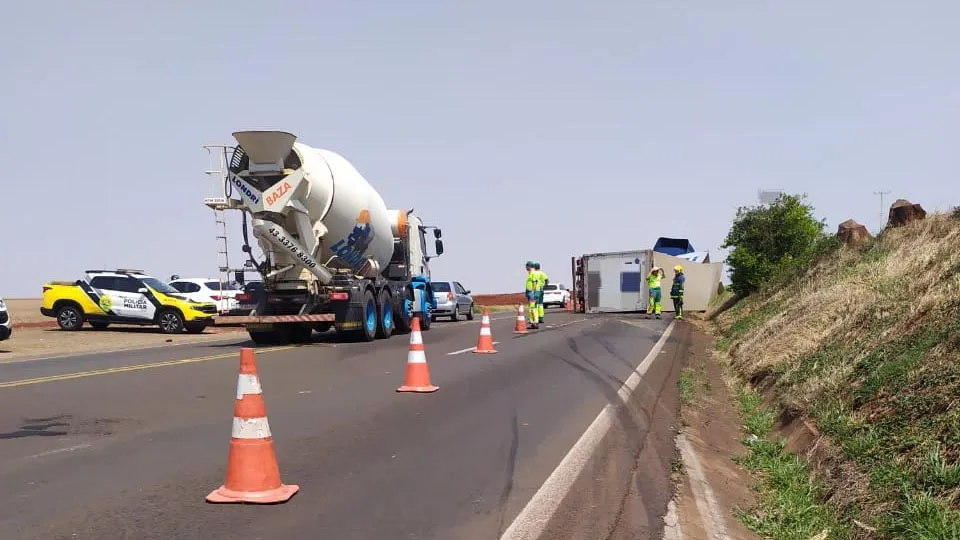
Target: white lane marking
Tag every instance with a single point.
(533, 519)
(468, 349)
(707, 507)
(59, 451)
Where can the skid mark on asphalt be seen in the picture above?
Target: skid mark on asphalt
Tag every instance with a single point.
(533, 519)
(632, 486)
(510, 469)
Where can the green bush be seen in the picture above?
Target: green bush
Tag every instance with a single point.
(771, 241)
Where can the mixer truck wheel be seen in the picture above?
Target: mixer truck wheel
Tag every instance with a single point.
(301, 334)
(403, 318)
(385, 328)
(368, 317)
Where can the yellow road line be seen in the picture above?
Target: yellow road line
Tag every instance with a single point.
(137, 367)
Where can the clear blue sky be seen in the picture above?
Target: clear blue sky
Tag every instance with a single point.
(535, 129)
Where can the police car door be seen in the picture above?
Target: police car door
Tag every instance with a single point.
(133, 304)
(110, 299)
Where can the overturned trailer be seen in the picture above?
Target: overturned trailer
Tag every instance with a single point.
(615, 282)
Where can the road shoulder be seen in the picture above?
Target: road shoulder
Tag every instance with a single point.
(710, 485)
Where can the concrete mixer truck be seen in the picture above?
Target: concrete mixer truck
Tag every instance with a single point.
(333, 253)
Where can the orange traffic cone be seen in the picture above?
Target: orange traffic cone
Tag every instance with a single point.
(521, 327)
(485, 343)
(418, 373)
(569, 304)
(252, 472)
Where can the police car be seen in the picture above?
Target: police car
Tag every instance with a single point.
(124, 297)
(6, 325)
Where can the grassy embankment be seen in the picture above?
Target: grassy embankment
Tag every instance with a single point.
(865, 346)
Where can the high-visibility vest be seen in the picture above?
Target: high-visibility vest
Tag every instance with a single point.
(654, 280)
(532, 281)
(541, 280)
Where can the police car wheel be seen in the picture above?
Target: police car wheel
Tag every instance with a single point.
(69, 318)
(170, 322)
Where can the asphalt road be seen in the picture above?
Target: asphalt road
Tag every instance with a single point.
(130, 447)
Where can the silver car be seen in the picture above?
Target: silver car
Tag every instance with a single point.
(6, 325)
(452, 300)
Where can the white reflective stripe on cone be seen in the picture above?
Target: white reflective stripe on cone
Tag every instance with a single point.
(416, 357)
(485, 331)
(248, 384)
(416, 338)
(250, 428)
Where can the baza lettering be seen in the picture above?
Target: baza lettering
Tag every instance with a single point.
(275, 195)
(246, 190)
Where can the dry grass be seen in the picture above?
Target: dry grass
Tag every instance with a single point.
(868, 344)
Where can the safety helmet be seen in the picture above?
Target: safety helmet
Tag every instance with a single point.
(678, 268)
(529, 265)
(536, 266)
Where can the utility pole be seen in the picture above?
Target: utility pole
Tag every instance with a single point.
(883, 220)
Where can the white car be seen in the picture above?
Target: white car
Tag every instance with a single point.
(555, 294)
(223, 294)
(6, 325)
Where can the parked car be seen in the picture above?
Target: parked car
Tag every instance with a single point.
(248, 299)
(6, 325)
(223, 294)
(452, 300)
(555, 294)
(103, 297)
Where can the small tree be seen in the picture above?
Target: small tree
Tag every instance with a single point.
(770, 240)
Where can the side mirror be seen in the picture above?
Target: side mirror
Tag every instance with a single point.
(466, 291)
(439, 246)
(437, 233)
(142, 290)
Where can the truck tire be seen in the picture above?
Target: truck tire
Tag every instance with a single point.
(195, 328)
(404, 316)
(426, 318)
(301, 334)
(386, 319)
(69, 318)
(260, 337)
(368, 317)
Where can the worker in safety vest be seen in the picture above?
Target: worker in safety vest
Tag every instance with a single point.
(654, 279)
(531, 292)
(542, 282)
(676, 291)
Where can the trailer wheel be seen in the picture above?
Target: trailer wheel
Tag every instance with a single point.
(385, 329)
(368, 319)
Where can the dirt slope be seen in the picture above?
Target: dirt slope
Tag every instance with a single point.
(866, 347)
